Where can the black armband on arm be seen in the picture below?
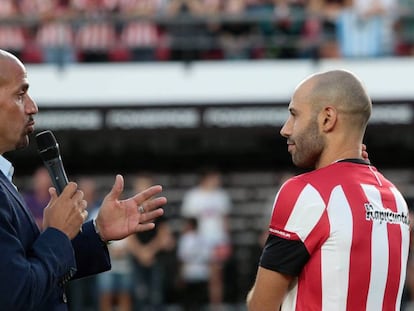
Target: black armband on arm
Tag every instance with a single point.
(284, 256)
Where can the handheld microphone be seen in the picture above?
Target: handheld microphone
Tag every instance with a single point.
(48, 149)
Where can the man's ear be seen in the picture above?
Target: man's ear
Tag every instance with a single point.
(328, 118)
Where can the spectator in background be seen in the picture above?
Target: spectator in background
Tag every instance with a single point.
(114, 286)
(186, 31)
(12, 35)
(327, 12)
(405, 28)
(365, 28)
(140, 33)
(236, 32)
(193, 256)
(210, 204)
(38, 197)
(194, 7)
(55, 34)
(284, 27)
(212, 12)
(96, 35)
(149, 261)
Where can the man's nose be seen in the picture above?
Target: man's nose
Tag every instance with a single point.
(284, 131)
(31, 106)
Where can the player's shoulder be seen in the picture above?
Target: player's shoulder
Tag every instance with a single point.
(314, 181)
(295, 183)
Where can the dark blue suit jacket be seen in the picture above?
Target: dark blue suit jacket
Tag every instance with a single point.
(35, 266)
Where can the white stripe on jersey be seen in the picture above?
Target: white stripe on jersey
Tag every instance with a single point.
(305, 216)
(379, 253)
(405, 236)
(336, 252)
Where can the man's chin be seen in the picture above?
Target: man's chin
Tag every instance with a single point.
(23, 143)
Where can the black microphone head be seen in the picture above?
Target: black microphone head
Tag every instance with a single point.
(47, 145)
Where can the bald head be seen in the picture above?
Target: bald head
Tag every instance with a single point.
(6, 60)
(329, 112)
(343, 90)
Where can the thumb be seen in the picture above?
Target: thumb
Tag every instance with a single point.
(117, 188)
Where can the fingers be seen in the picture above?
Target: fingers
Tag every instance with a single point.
(364, 153)
(146, 227)
(77, 196)
(152, 204)
(149, 217)
(73, 198)
(147, 194)
(70, 190)
(84, 214)
(67, 211)
(149, 207)
(83, 204)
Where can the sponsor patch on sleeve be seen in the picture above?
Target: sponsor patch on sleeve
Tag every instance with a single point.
(284, 234)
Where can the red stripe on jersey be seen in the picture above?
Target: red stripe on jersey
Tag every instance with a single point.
(310, 289)
(360, 265)
(309, 296)
(394, 257)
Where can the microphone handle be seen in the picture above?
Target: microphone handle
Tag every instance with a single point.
(57, 173)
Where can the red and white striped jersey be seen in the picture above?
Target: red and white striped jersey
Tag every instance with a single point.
(96, 36)
(140, 34)
(350, 227)
(141, 6)
(54, 34)
(12, 37)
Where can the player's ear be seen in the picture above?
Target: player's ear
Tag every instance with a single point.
(328, 117)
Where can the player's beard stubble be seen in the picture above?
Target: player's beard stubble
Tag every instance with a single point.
(309, 145)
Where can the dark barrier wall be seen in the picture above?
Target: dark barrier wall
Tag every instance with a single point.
(172, 138)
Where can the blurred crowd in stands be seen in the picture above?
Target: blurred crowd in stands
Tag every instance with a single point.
(67, 31)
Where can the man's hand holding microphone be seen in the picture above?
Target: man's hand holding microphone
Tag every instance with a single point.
(116, 218)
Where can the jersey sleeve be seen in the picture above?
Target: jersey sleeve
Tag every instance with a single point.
(298, 227)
